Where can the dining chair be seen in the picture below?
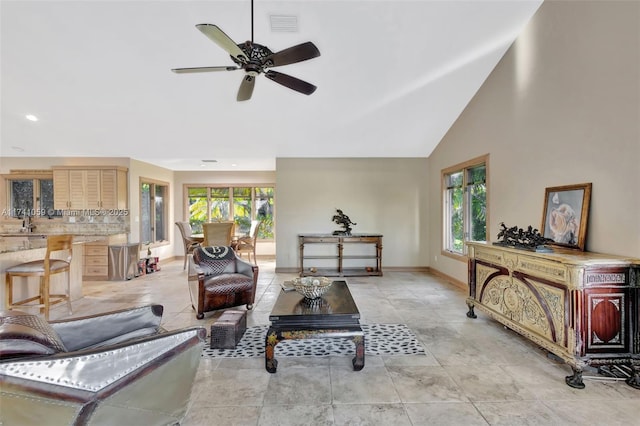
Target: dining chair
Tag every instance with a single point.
(190, 243)
(43, 268)
(248, 244)
(218, 233)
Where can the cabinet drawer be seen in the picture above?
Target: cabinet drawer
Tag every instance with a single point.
(609, 277)
(96, 261)
(361, 239)
(320, 240)
(92, 270)
(100, 250)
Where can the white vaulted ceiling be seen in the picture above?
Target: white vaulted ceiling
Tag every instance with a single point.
(392, 78)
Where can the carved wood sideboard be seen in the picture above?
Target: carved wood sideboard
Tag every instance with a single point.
(583, 307)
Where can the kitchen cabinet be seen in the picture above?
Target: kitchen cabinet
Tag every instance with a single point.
(80, 188)
(96, 257)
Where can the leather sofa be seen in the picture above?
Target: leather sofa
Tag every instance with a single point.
(121, 367)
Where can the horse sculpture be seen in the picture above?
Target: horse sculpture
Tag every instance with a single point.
(343, 220)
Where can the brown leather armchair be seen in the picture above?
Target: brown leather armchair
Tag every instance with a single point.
(116, 368)
(219, 279)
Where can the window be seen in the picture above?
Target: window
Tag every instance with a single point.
(30, 194)
(242, 209)
(465, 213)
(219, 204)
(264, 211)
(241, 204)
(153, 211)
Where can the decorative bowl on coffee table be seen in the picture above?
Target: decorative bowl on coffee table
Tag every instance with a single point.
(312, 287)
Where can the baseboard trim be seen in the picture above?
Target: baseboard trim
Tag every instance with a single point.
(286, 270)
(424, 269)
(405, 269)
(453, 281)
(385, 269)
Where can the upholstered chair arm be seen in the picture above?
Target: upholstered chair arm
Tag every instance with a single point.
(144, 381)
(245, 268)
(194, 269)
(194, 280)
(110, 328)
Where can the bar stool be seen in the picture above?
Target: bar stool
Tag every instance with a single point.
(44, 269)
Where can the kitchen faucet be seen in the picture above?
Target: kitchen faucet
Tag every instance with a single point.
(27, 224)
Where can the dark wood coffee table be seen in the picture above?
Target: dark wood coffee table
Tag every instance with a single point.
(334, 315)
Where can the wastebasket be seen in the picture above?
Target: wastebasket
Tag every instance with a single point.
(123, 261)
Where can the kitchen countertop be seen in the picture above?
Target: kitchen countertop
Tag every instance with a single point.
(11, 243)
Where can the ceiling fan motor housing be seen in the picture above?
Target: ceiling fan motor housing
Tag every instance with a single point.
(257, 54)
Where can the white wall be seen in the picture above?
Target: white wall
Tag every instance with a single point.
(562, 107)
(382, 195)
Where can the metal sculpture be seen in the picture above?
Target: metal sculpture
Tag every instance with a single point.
(531, 239)
(343, 220)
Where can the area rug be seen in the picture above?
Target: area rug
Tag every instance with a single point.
(380, 339)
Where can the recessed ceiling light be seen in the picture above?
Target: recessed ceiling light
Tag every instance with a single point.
(234, 165)
(31, 117)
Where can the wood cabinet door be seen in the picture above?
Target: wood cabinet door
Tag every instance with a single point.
(607, 307)
(109, 189)
(61, 194)
(606, 326)
(93, 189)
(77, 189)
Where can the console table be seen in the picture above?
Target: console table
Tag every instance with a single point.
(338, 268)
(583, 307)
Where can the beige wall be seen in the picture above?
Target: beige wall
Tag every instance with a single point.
(138, 170)
(562, 107)
(382, 195)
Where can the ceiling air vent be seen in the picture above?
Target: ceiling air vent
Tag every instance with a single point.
(284, 24)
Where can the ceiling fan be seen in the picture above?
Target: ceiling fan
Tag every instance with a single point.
(256, 59)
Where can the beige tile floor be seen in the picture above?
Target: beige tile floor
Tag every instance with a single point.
(475, 372)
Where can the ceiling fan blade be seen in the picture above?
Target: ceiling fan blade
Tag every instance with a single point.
(224, 41)
(203, 69)
(291, 82)
(298, 53)
(246, 88)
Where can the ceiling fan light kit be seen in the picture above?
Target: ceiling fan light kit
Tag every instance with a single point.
(256, 59)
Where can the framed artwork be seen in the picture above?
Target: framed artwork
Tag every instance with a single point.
(565, 215)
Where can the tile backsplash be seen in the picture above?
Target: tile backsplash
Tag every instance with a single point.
(77, 225)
